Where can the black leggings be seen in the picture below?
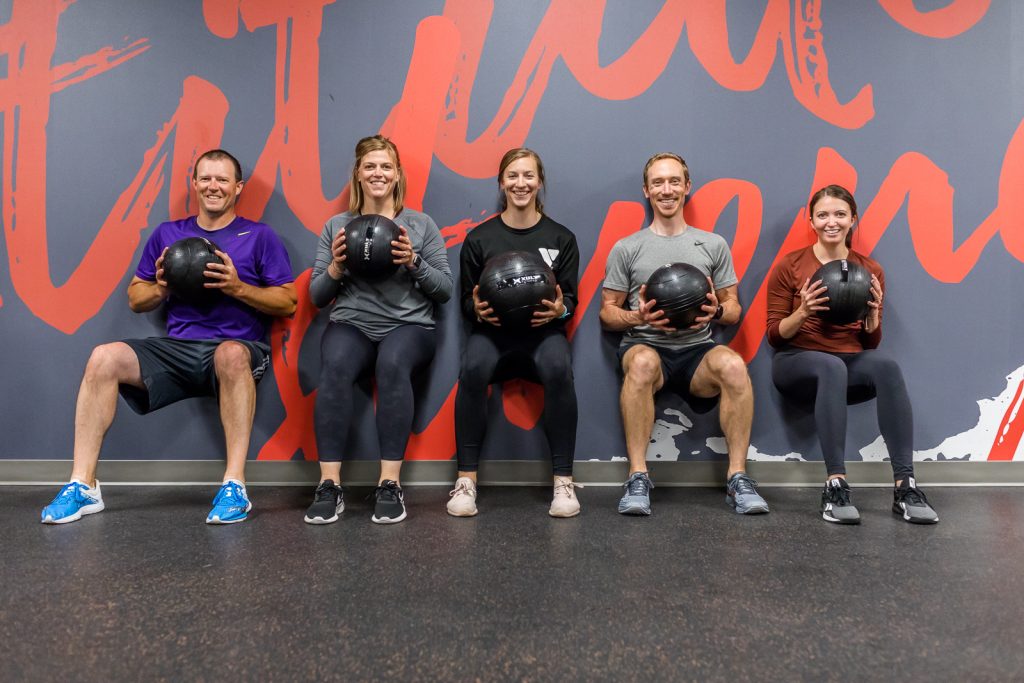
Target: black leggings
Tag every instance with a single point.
(828, 380)
(542, 356)
(346, 355)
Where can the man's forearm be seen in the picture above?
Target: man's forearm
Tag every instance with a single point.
(275, 301)
(145, 296)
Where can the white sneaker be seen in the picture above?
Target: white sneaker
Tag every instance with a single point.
(564, 503)
(463, 502)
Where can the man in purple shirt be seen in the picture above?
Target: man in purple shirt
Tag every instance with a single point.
(212, 349)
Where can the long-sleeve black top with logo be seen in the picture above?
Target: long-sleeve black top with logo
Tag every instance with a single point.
(555, 243)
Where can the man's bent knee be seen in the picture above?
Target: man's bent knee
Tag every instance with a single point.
(727, 369)
(642, 366)
(232, 359)
(113, 362)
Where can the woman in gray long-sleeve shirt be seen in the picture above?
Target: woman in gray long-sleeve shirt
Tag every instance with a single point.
(384, 327)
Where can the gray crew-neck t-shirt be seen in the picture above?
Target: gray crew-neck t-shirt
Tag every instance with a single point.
(634, 258)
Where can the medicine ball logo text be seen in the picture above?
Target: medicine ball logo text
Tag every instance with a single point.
(519, 280)
(368, 243)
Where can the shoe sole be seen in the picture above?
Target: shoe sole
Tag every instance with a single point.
(86, 510)
(634, 510)
(462, 514)
(560, 515)
(835, 520)
(388, 520)
(912, 520)
(752, 510)
(218, 520)
(320, 520)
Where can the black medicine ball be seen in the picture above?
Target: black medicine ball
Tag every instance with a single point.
(848, 288)
(679, 290)
(183, 266)
(514, 283)
(368, 246)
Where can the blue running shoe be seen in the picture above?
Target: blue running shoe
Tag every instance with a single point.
(74, 500)
(741, 493)
(637, 498)
(231, 504)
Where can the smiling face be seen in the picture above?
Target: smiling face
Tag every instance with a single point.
(216, 185)
(666, 187)
(521, 182)
(378, 172)
(832, 220)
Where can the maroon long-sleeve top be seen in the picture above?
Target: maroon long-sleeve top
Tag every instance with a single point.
(815, 334)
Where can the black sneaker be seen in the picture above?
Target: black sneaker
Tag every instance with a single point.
(835, 503)
(911, 503)
(389, 507)
(328, 503)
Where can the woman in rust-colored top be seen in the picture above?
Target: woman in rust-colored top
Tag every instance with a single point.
(823, 364)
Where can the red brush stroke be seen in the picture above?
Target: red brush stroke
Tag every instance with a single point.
(28, 43)
(924, 187)
(622, 219)
(1011, 429)
(944, 22)
(295, 433)
(571, 30)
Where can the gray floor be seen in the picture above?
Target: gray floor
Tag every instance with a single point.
(146, 591)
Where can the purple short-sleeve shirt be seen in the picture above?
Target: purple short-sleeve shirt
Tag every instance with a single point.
(260, 259)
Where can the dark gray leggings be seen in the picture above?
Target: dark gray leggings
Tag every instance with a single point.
(346, 355)
(828, 379)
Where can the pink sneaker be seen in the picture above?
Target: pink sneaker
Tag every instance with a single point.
(564, 503)
(463, 502)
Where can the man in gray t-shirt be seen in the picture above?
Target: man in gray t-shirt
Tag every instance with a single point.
(654, 355)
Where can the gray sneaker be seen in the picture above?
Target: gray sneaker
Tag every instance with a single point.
(835, 503)
(637, 498)
(741, 493)
(910, 502)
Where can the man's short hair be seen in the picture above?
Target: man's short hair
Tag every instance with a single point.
(666, 155)
(216, 155)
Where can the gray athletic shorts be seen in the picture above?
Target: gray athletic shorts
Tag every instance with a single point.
(174, 369)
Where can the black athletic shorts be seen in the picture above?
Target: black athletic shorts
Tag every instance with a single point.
(174, 369)
(678, 366)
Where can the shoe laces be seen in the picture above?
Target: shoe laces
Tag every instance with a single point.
(912, 496)
(325, 491)
(742, 484)
(638, 485)
(566, 488)
(230, 494)
(388, 491)
(72, 489)
(461, 488)
(838, 495)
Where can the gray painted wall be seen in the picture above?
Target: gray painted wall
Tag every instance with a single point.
(105, 104)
